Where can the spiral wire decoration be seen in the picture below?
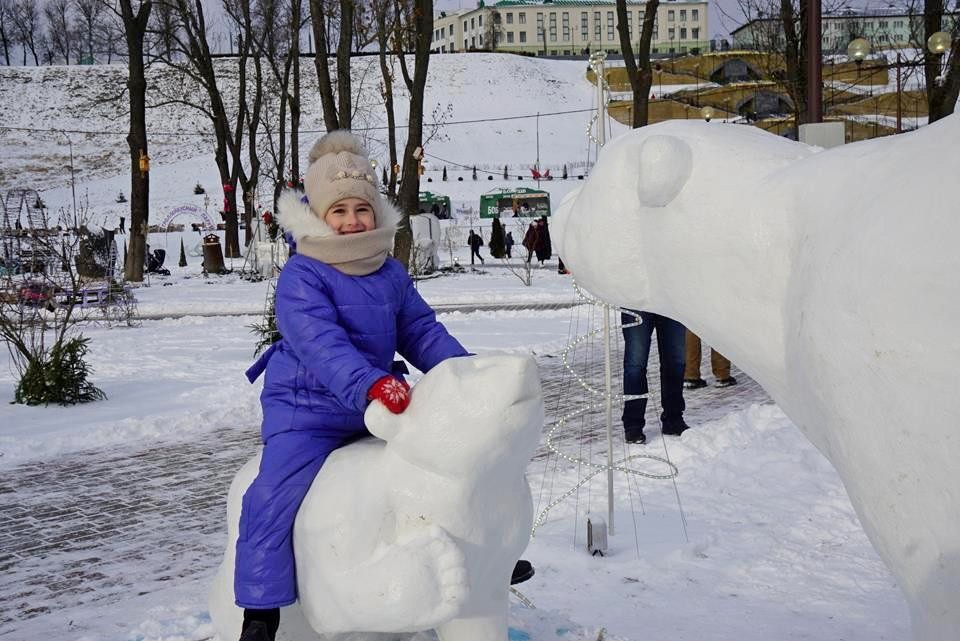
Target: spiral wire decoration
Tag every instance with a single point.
(620, 465)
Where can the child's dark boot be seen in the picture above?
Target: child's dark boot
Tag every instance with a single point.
(260, 625)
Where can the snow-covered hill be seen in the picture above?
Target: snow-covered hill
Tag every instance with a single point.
(480, 88)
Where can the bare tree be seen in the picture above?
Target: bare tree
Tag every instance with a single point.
(280, 48)
(336, 114)
(493, 30)
(192, 56)
(26, 22)
(88, 19)
(59, 21)
(419, 18)
(136, 20)
(385, 25)
(249, 35)
(639, 70)
(6, 28)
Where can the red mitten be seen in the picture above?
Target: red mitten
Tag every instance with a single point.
(392, 392)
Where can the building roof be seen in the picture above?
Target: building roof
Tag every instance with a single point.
(564, 3)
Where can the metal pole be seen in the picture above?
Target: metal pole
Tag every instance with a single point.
(73, 186)
(601, 106)
(814, 62)
(608, 386)
(899, 108)
(538, 149)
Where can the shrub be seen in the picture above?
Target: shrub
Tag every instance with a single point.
(60, 378)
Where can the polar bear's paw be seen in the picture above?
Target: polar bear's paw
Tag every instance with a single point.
(436, 585)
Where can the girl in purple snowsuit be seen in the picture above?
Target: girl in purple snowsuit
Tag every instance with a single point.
(344, 309)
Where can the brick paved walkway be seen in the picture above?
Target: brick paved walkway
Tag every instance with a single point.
(102, 526)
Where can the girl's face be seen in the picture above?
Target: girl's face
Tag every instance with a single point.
(350, 216)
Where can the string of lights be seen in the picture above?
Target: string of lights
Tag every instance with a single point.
(204, 134)
(619, 465)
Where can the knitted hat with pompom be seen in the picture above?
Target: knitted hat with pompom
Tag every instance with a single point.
(340, 168)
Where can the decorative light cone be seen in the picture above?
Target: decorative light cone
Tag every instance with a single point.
(939, 42)
(183, 255)
(858, 49)
(708, 113)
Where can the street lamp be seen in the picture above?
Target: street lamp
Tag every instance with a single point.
(939, 43)
(708, 113)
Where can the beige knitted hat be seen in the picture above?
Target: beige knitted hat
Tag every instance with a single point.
(340, 168)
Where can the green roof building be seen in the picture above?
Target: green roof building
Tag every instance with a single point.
(568, 27)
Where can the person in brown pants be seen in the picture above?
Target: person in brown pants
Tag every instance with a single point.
(719, 365)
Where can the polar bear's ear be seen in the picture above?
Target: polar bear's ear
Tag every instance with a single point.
(664, 166)
(381, 422)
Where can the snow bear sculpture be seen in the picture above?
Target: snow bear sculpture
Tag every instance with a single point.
(832, 279)
(418, 530)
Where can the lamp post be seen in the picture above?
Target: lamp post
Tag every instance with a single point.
(708, 113)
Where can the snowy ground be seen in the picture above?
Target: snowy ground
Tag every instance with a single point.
(112, 512)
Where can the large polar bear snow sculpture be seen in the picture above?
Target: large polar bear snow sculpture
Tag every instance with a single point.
(831, 278)
(418, 530)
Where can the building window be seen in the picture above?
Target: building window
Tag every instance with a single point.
(553, 27)
(696, 33)
(683, 33)
(671, 33)
(584, 26)
(473, 42)
(509, 18)
(597, 27)
(541, 36)
(523, 18)
(479, 21)
(695, 14)
(566, 27)
(451, 30)
(509, 37)
(481, 40)
(683, 15)
(523, 35)
(473, 23)
(464, 25)
(671, 16)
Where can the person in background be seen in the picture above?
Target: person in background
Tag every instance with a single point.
(530, 239)
(636, 353)
(475, 241)
(718, 363)
(543, 246)
(508, 244)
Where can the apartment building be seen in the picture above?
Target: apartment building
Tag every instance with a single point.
(568, 27)
(882, 28)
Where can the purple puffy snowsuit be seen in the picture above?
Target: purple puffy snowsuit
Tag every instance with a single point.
(340, 334)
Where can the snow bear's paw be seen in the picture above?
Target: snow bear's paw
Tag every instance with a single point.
(441, 597)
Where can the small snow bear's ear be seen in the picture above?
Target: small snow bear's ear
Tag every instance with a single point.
(664, 166)
(381, 422)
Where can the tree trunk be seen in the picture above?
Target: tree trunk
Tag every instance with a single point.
(639, 71)
(409, 194)
(795, 58)
(135, 26)
(345, 109)
(322, 62)
(295, 96)
(387, 76)
(942, 88)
